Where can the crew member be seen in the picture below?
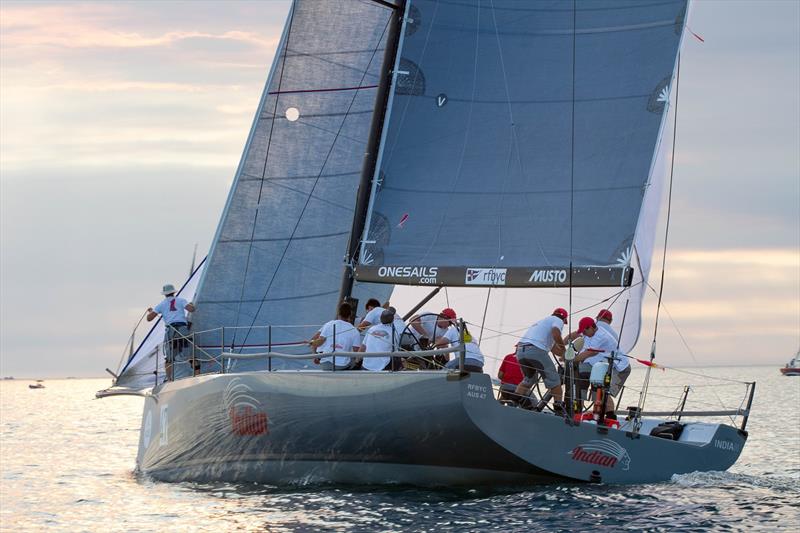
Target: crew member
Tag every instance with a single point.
(532, 353)
(510, 375)
(176, 326)
(473, 358)
(428, 327)
(373, 315)
(338, 335)
(382, 337)
(600, 346)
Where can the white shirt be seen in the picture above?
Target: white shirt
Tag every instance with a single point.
(373, 316)
(606, 343)
(474, 352)
(541, 333)
(172, 309)
(347, 336)
(605, 326)
(399, 325)
(379, 339)
(428, 323)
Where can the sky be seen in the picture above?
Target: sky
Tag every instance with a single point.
(122, 123)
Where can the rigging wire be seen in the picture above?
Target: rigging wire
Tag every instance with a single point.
(643, 394)
(569, 367)
(485, 309)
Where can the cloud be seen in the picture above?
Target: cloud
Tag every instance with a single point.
(87, 26)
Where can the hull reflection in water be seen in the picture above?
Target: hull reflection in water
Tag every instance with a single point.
(421, 428)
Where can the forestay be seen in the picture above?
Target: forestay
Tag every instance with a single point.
(520, 142)
(146, 364)
(277, 255)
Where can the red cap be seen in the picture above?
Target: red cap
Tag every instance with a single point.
(586, 323)
(561, 313)
(605, 314)
(448, 313)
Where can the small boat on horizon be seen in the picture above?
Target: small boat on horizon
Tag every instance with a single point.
(37, 385)
(792, 368)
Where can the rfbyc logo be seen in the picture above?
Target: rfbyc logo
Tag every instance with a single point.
(485, 276)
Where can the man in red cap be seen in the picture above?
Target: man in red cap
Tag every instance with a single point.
(604, 318)
(534, 360)
(599, 346)
(436, 329)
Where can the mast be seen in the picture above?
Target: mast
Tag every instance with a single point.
(373, 143)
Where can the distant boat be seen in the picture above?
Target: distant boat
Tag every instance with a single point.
(792, 368)
(37, 385)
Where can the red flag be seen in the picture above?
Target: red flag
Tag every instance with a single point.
(650, 364)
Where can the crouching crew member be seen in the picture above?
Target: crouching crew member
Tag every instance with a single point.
(346, 336)
(379, 338)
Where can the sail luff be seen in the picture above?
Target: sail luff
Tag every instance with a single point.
(649, 214)
(374, 144)
(253, 127)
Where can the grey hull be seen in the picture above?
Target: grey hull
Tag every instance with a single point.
(421, 428)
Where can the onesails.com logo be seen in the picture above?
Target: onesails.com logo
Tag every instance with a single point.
(601, 452)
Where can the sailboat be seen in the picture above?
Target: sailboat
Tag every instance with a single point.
(792, 368)
(466, 143)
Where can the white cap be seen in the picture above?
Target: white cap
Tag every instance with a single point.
(169, 288)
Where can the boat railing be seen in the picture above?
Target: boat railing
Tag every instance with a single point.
(220, 354)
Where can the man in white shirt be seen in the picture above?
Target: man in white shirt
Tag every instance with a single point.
(473, 359)
(604, 319)
(176, 326)
(599, 346)
(431, 326)
(373, 315)
(532, 353)
(336, 336)
(381, 337)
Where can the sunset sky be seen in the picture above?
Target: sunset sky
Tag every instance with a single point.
(121, 126)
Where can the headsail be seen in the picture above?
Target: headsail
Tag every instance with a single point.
(277, 255)
(520, 142)
(146, 363)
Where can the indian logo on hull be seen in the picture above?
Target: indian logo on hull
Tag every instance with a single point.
(247, 417)
(604, 452)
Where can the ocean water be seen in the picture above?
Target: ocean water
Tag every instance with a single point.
(67, 464)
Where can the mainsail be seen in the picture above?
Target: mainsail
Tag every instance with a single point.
(520, 142)
(277, 255)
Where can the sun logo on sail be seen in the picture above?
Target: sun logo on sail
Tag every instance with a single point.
(604, 452)
(625, 258)
(663, 95)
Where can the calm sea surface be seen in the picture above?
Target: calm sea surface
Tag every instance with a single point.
(67, 463)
